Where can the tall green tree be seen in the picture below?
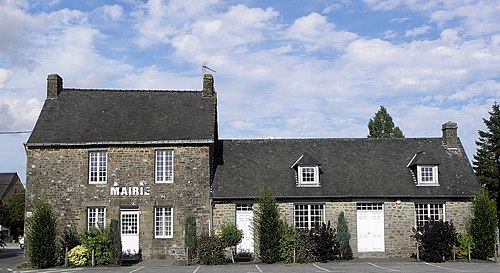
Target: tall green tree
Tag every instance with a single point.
(487, 159)
(382, 126)
(16, 214)
(267, 226)
(483, 225)
(42, 234)
(343, 237)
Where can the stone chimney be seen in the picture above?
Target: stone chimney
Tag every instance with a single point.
(450, 138)
(208, 85)
(54, 86)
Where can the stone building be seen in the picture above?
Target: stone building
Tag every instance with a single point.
(142, 157)
(10, 184)
(385, 187)
(149, 157)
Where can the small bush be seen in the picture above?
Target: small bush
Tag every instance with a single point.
(326, 242)
(436, 240)
(288, 242)
(267, 226)
(462, 250)
(211, 250)
(41, 236)
(97, 239)
(231, 235)
(79, 255)
(306, 245)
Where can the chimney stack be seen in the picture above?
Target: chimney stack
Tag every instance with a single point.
(54, 86)
(450, 138)
(208, 85)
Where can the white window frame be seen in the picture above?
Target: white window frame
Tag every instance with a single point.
(164, 166)
(424, 180)
(98, 167)
(305, 181)
(164, 222)
(96, 217)
(307, 209)
(428, 214)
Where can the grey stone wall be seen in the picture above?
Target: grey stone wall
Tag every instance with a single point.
(459, 213)
(60, 176)
(224, 214)
(399, 219)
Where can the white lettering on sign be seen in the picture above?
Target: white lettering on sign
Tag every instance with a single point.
(130, 191)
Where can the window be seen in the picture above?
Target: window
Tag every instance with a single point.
(306, 216)
(96, 217)
(427, 175)
(163, 222)
(308, 176)
(164, 166)
(97, 167)
(426, 212)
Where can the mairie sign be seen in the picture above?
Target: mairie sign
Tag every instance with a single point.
(130, 191)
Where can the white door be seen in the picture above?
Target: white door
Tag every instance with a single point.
(130, 231)
(370, 225)
(244, 222)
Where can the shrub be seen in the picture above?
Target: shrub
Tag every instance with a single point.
(288, 242)
(79, 255)
(267, 227)
(483, 225)
(436, 240)
(231, 235)
(115, 243)
(211, 250)
(190, 234)
(343, 236)
(462, 250)
(41, 236)
(97, 239)
(306, 245)
(325, 240)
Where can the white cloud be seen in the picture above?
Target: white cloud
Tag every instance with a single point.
(113, 12)
(315, 32)
(5, 75)
(417, 31)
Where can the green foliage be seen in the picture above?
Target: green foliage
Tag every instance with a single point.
(343, 237)
(462, 250)
(41, 236)
(267, 226)
(483, 225)
(190, 230)
(115, 243)
(79, 255)
(305, 252)
(487, 160)
(231, 235)
(436, 240)
(97, 239)
(16, 214)
(289, 239)
(382, 126)
(211, 250)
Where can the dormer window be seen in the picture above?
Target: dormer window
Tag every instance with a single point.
(427, 175)
(424, 169)
(309, 176)
(307, 171)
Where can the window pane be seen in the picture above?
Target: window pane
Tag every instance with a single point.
(164, 165)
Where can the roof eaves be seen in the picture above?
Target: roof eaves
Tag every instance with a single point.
(100, 143)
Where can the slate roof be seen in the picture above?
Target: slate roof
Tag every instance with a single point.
(82, 116)
(351, 169)
(6, 179)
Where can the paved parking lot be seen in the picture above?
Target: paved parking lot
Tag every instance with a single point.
(375, 266)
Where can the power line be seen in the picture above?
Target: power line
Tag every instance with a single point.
(15, 132)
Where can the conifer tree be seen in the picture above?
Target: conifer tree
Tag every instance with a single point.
(267, 226)
(42, 231)
(382, 126)
(487, 159)
(483, 226)
(343, 236)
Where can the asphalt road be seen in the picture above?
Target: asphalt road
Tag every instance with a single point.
(358, 265)
(10, 257)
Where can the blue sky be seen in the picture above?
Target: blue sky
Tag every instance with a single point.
(284, 69)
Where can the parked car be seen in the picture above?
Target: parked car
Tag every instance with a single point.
(21, 242)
